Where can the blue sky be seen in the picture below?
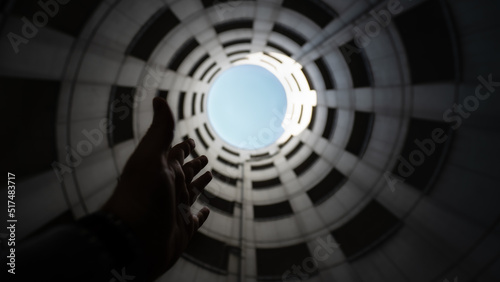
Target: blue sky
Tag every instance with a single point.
(245, 105)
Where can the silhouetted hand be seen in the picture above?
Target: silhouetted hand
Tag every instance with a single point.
(155, 192)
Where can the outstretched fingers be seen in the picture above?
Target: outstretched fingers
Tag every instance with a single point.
(198, 219)
(175, 159)
(193, 167)
(180, 151)
(197, 186)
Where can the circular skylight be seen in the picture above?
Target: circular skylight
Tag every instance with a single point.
(246, 106)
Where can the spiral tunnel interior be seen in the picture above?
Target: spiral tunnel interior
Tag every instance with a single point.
(386, 167)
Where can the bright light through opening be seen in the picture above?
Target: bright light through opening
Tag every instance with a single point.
(246, 106)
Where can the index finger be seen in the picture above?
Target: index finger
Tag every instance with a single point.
(180, 151)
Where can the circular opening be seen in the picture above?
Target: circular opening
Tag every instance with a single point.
(246, 106)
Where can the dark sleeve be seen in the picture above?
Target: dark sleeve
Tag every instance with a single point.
(98, 247)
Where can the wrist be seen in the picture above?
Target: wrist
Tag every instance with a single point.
(115, 235)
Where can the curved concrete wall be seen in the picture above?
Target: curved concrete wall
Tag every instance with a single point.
(393, 179)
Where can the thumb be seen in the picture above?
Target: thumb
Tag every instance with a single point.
(161, 132)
